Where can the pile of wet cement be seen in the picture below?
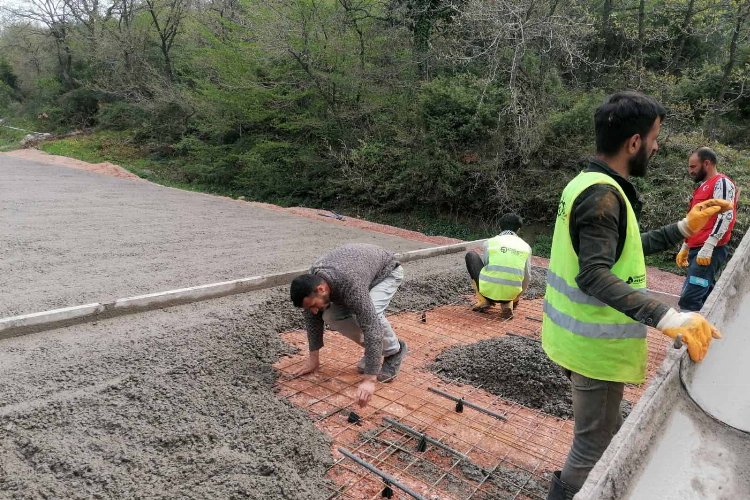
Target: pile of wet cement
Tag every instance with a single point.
(174, 403)
(513, 367)
(431, 289)
(537, 283)
(451, 286)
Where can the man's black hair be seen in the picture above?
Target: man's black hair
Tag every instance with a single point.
(510, 222)
(706, 153)
(303, 286)
(623, 115)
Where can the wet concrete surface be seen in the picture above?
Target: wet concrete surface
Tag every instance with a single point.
(71, 237)
(693, 458)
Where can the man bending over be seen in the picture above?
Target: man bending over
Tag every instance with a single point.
(349, 289)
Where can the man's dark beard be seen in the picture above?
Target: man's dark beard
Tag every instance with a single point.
(700, 176)
(638, 164)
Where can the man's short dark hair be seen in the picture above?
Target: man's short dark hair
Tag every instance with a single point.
(706, 153)
(303, 286)
(510, 222)
(622, 115)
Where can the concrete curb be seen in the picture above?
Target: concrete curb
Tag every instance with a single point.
(56, 318)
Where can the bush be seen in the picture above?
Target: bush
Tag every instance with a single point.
(6, 96)
(281, 172)
(78, 108)
(165, 122)
(459, 110)
(121, 115)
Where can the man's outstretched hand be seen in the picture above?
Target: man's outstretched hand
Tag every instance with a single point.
(699, 215)
(311, 364)
(365, 390)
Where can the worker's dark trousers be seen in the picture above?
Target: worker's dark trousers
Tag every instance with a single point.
(597, 418)
(700, 279)
(474, 265)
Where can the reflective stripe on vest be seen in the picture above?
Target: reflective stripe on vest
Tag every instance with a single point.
(580, 332)
(502, 277)
(594, 330)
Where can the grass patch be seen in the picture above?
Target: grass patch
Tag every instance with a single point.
(119, 148)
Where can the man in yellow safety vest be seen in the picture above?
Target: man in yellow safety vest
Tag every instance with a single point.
(596, 308)
(502, 273)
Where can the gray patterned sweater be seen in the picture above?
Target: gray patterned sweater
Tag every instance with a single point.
(351, 271)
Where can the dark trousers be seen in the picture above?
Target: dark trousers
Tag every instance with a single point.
(597, 418)
(474, 265)
(701, 279)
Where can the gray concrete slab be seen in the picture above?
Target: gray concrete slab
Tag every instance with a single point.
(72, 237)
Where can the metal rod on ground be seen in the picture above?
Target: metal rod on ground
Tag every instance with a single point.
(384, 475)
(467, 403)
(427, 438)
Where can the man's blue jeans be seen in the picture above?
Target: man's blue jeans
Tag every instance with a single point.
(701, 279)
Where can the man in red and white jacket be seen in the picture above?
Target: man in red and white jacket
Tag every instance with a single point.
(705, 252)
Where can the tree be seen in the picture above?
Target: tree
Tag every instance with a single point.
(167, 17)
(55, 15)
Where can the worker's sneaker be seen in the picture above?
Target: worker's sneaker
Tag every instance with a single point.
(361, 366)
(392, 364)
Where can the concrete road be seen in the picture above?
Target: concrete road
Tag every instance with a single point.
(70, 237)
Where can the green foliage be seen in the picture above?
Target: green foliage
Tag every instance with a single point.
(7, 76)
(6, 96)
(78, 108)
(120, 115)
(165, 122)
(459, 110)
(577, 122)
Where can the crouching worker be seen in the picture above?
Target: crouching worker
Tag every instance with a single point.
(349, 289)
(501, 275)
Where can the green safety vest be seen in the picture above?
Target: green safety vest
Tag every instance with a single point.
(502, 277)
(579, 332)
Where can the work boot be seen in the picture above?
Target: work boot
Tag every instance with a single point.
(481, 303)
(392, 363)
(558, 490)
(361, 366)
(506, 310)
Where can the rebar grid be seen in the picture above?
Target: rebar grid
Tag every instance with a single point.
(529, 444)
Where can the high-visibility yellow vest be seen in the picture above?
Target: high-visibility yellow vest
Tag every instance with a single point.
(502, 277)
(579, 332)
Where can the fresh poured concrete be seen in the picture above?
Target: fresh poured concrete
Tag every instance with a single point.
(689, 436)
(694, 458)
(719, 384)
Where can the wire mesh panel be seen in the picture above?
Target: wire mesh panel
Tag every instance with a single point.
(445, 454)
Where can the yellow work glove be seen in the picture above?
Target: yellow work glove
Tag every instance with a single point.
(707, 250)
(698, 216)
(696, 332)
(682, 256)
